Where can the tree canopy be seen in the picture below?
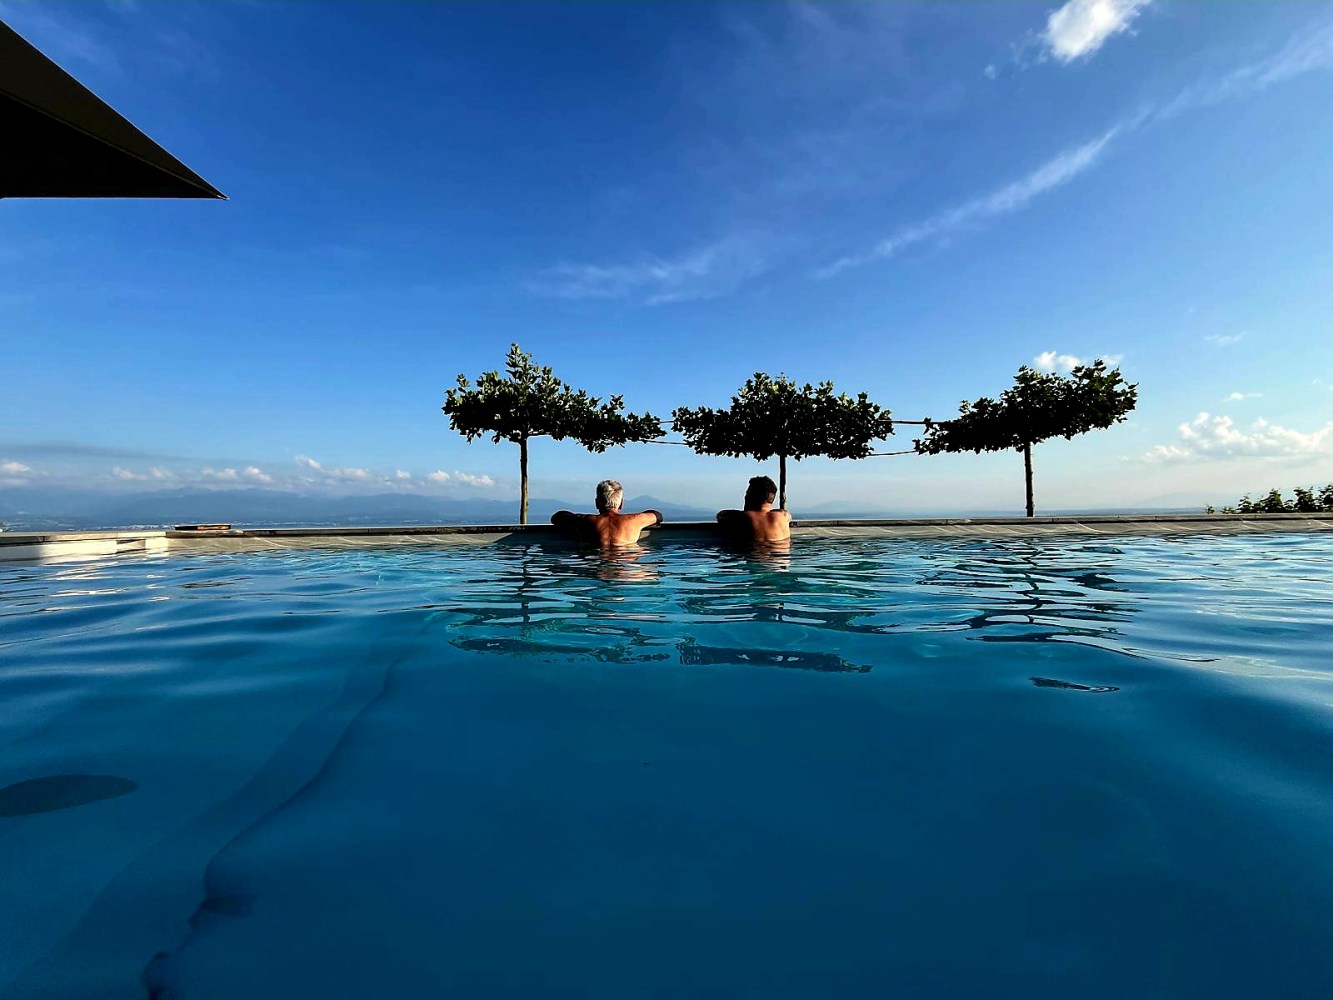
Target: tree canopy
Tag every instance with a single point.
(528, 401)
(1037, 407)
(777, 417)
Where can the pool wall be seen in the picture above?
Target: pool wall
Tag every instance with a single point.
(45, 546)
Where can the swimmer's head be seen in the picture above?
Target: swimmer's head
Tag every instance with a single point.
(761, 490)
(610, 495)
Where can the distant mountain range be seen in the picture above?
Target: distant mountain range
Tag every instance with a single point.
(32, 508)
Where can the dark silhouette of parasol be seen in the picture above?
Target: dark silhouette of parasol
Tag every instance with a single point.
(60, 140)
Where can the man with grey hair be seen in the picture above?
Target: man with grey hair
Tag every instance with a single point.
(608, 527)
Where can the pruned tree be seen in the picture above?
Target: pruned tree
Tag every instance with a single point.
(528, 401)
(1037, 407)
(776, 417)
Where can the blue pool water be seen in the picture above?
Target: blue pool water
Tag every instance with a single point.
(870, 768)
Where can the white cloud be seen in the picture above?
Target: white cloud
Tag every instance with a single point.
(1081, 27)
(1011, 198)
(1050, 361)
(471, 480)
(1217, 436)
(466, 478)
(130, 476)
(347, 475)
(1224, 339)
(1236, 397)
(220, 475)
(256, 475)
(400, 474)
(706, 273)
(10, 468)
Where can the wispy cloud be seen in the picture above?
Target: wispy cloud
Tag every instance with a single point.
(1237, 397)
(1011, 198)
(12, 468)
(77, 449)
(1214, 436)
(1307, 52)
(115, 39)
(67, 40)
(1224, 339)
(1078, 28)
(1081, 27)
(704, 273)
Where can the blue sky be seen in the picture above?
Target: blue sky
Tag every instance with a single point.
(910, 200)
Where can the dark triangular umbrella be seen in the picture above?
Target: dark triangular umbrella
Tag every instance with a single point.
(60, 140)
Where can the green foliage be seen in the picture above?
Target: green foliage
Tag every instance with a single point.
(1306, 502)
(1273, 503)
(1037, 407)
(775, 417)
(529, 401)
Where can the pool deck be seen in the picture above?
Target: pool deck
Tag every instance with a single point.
(45, 546)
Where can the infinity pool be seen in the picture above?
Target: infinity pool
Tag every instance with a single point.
(867, 768)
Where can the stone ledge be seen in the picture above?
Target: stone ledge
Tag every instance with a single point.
(51, 545)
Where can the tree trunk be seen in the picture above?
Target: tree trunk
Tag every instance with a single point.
(523, 481)
(782, 482)
(1027, 475)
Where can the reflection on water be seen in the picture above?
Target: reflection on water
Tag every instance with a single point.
(632, 605)
(695, 654)
(1051, 682)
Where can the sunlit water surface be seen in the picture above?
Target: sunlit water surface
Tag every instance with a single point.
(1042, 768)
